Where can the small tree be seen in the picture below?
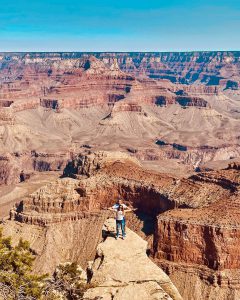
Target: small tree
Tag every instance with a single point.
(69, 282)
(16, 280)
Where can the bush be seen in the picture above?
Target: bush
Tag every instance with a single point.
(69, 282)
(17, 282)
(16, 279)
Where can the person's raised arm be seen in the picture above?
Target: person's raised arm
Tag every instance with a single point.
(130, 209)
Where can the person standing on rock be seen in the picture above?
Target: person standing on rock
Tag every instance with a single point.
(120, 220)
(116, 206)
(120, 208)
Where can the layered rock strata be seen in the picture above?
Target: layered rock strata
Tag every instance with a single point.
(208, 67)
(52, 102)
(14, 164)
(204, 241)
(99, 178)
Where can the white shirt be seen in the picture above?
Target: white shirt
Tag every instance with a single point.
(119, 215)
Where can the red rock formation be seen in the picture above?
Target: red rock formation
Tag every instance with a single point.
(200, 236)
(49, 161)
(204, 240)
(88, 81)
(198, 89)
(205, 67)
(234, 165)
(112, 174)
(50, 103)
(195, 218)
(12, 165)
(68, 82)
(127, 106)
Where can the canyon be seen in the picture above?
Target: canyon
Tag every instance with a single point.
(52, 104)
(160, 130)
(190, 224)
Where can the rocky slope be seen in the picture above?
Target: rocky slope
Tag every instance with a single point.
(191, 224)
(59, 102)
(122, 270)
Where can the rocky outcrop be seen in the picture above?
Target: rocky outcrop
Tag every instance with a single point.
(191, 101)
(54, 102)
(105, 175)
(199, 89)
(49, 161)
(122, 270)
(204, 240)
(74, 240)
(13, 164)
(187, 222)
(127, 106)
(5, 103)
(49, 103)
(234, 165)
(89, 163)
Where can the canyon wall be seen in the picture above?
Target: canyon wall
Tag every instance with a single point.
(208, 67)
(169, 207)
(17, 167)
(64, 83)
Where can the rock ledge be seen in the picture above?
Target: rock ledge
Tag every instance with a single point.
(122, 270)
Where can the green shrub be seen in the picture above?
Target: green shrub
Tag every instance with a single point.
(15, 270)
(17, 282)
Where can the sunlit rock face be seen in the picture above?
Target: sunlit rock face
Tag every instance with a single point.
(123, 270)
(177, 113)
(58, 102)
(188, 223)
(208, 67)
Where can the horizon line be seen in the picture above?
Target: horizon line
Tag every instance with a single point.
(140, 51)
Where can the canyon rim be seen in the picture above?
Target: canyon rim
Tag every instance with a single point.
(110, 101)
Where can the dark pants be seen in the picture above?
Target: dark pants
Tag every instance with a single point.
(120, 223)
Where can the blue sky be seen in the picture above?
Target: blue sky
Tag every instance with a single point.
(108, 25)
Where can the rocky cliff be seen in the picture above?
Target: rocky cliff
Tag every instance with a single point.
(167, 210)
(57, 102)
(203, 240)
(12, 165)
(57, 110)
(122, 270)
(208, 67)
